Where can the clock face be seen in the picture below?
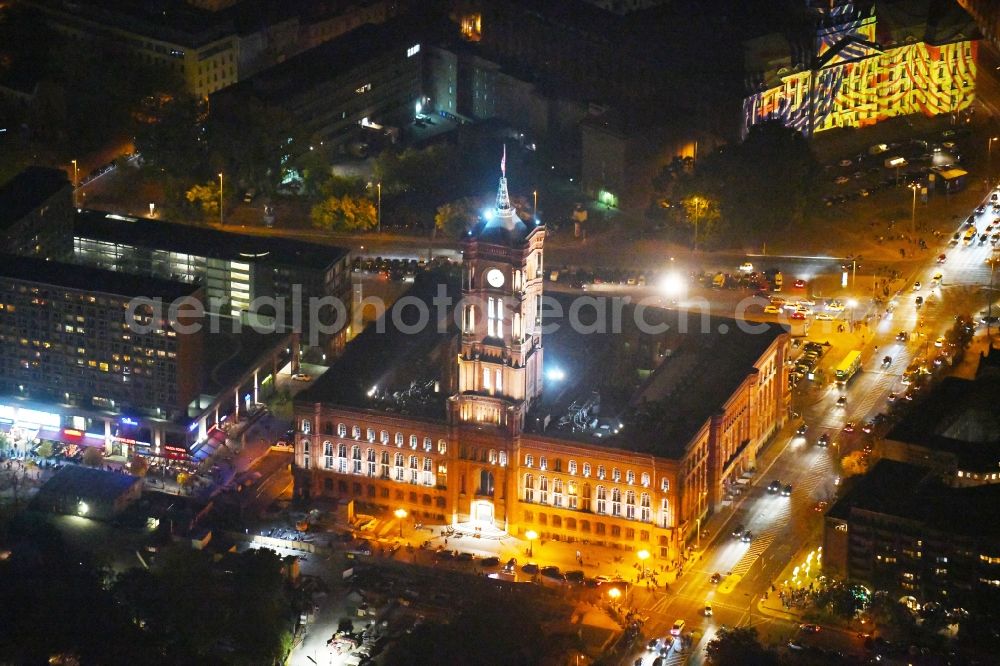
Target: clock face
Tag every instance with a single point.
(494, 277)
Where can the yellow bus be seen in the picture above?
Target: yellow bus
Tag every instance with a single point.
(848, 367)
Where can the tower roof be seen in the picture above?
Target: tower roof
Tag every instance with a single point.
(503, 224)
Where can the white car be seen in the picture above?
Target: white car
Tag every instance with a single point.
(807, 301)
(746, 267)
(916, 285)
(835, 306)
(823, 316)
(804, 310)
(677, 628)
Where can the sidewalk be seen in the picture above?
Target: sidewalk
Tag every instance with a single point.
(795, 580)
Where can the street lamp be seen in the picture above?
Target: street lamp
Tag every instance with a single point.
(378, 209)
(614, 593)
(851, 303)
(989, 150)
(531, 535)
(697, 218)
(76, 180)
(400, 515)
(221, 219)
(534, 210)
(913, 210)
(643, 555)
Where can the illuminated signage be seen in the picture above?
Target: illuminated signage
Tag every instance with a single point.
(32, 416)
(72, 433)
(129, 421)
(130, 441)
(193, 427)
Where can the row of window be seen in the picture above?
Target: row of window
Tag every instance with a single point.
(397, 467)
(566, 495)
(602, 473)
(585, 526)
(383, 436)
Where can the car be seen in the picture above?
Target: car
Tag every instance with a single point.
(938, 277)
(653, 645)
(835, 306)
(677, 628)
(302, 377)
(797, 316)
(747, 537)
(465, 557)
(777, 300)
(774, 486)
(489, 562)
(940, 342)
(530, 568)
(802, 430)
(823, 316)
(445, 554)
(902, 336)
(820, 506)
(886, 361)
(602, 579)
(804, 309)
(553, 573)
(849, 426)
(707, 612)
(868, 427)
(737, 531)
(824, 440)
(575, 576)
(787, 490)
(916, 285)
(841, 180)
(809, 628)
(842, 401)
(716, 578)
(892, 396)
(799, 284)
(941, 258)
(771, 309)
(919, 300)
(746, 267)
(511, 565)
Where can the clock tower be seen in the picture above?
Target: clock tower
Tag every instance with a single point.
(500, 357)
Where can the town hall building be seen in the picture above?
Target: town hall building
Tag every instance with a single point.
(600, 422)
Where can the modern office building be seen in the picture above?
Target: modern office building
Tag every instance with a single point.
(369, 79)
(902, 529)
(36, 214)
(620, 425)
(858, 62)
(234, 269)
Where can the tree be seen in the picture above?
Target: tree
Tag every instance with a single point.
(702, 213)
(344, 213)
(5, 442)
(961, 333)
(139, 466)
(738, 647)
(184, 480)
(205, 198)
(44, 450)
(456, 217)
(92, 457)
(854, 463)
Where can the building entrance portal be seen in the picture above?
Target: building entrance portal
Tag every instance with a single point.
(481, 523)
(482, 513)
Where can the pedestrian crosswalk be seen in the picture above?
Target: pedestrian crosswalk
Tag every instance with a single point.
(759, 545)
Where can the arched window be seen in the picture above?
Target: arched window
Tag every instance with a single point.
(616, 502)
(341, 450)
(644, 508)
(616, 475)
(328, 454)
(529, 488)
(399, 439)
(630, 504)
(543, 490)
(370, 457)
(442, 446)
(384, 437)
(601, 472)
(356, 459)
(341, 430)
(428, 444)
(384, 465)
(630, 477)
(664, 519)
(557, 492)
(586, 469)
(413, 442)
(493, 457)
(356, 432)
(645, 479)
(328, 428)
(398, 467)
(572, 467)
(602, 500)
(503, 459)
(428, 471)
(370, 434)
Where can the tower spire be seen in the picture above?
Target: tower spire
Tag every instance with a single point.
(504, 209)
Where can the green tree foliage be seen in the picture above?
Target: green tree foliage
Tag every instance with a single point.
(844, 601)
(456, 217)
(739, 647)
(44, 450)
(344, 213)
(760, 186)
(170, 137)
(205, 199)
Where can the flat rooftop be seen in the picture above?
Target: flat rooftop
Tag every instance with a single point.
(960, 417)
(95, 280)
(911, 492)
(87, 483)
(27, 191)
(202, 241)
(655, 389)
(230, 353)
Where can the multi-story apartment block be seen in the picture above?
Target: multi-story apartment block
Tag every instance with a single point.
(36, 214)
(902, 529)
(619, 425)
(234, 269)
(864, 61)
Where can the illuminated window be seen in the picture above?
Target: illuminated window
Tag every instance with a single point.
(383, 436)
(601, 473)
(529, 460)
(306, 426)
(370, 459)
(586, 469)
(602, 500)
(494, 317)
(398, 466)
(645, 510)
(557, 492)
(503, 459)
(665, 484)
(543, 463)
(356, 432)
(572, 467)
(413, 50)
(529, 488)
(413, 442)
(629, 504)
(328, 454)
(428, 444)
(543, 490)
(616, 502)
(645, 480)
(616, 475)
(630, 477)
(399, 439)
(442, 447)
